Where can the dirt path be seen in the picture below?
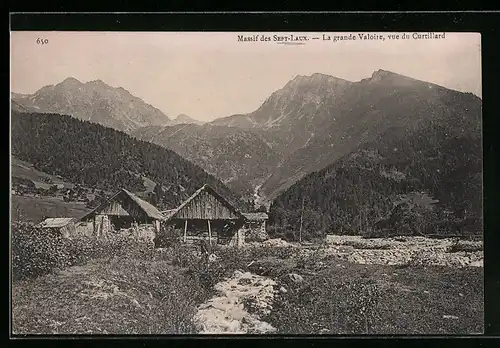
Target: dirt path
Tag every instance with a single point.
(229, 312)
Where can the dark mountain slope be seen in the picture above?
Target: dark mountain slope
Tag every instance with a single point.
(96, 156)
(370, 108)
(377, 188)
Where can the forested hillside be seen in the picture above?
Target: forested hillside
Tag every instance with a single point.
(95, 156)
(425, 181)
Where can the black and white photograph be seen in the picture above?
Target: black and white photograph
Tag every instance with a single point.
(246, 183)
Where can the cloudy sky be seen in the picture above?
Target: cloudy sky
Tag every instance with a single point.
(211, 75)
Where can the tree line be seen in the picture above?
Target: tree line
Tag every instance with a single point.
(99, 157)
(419, 182)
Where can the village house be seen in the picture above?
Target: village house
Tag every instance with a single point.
(204, 215)
(124, 212)
(65, 226)
(208, 215)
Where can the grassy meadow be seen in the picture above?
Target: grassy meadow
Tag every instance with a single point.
(35, 209)
(139, 290)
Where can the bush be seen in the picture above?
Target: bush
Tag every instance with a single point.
(37, 251)
(322, 305)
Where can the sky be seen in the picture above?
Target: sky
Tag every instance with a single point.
(212, 75)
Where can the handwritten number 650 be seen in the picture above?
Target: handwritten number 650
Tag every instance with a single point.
(42, 41)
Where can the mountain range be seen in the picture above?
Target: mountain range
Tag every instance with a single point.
(312, 122)
(241, 158)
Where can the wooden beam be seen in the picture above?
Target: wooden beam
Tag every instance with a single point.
(301, 221)
(209, 233)
(185, 230)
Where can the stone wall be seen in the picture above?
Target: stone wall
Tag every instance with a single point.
(238, 239)
(101, 227)
(256, 231)
(85, 228)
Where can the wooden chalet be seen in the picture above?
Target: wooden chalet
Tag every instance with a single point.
(123, 211)
(206, 215)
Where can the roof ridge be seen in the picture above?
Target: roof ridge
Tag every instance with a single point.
(196, 193)
(146, 206)
(142, 202)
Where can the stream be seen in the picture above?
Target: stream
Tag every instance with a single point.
(227, 313)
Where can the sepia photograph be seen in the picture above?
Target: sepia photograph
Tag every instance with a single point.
(247, 183)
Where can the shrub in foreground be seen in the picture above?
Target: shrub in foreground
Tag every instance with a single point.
(37, 251)
(320, 305)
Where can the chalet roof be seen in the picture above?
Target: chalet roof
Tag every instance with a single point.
(168, 211)
(149, 209)
(55, 222)
(169, 214)
(256, 216)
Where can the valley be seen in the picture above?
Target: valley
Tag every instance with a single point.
(372, 189)
(89, 159)
(270, 184)
(314, 138)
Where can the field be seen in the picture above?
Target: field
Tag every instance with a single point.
(35, 209)
(258, 289)
(25, 170)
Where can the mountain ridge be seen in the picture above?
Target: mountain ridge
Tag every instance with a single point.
(324, 123)
(309, 123)
(93, 101)
(365, 110)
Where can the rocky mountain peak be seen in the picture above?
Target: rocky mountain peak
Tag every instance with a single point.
(95, 101)
(69, 82)
(389, 76)
(314, 79)
(184, 119)
(381, 73)
(97, 82)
